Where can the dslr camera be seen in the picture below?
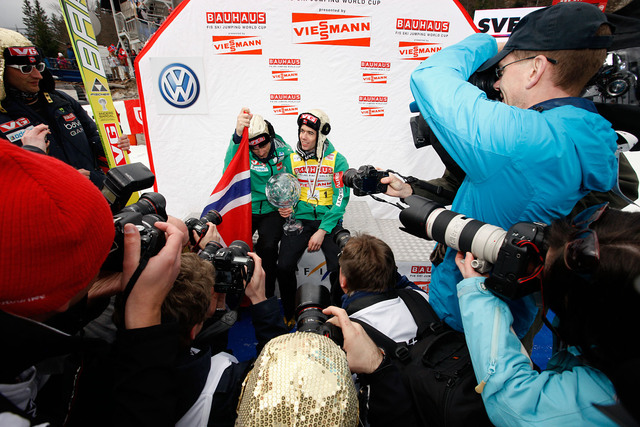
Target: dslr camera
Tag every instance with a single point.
(311, 299)
(510, 255)
(119, 185)
(200, 225)
(365, 180)
(233, 266)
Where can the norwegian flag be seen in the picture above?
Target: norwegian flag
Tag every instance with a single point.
(232, 197)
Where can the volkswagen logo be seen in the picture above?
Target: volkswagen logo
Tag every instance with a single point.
(179, 85)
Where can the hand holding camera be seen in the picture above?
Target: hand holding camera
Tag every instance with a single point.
(143, 304)
(363, 356)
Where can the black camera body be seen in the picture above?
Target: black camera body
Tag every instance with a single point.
(513, 253)
(200, 225)
(152, 240)
(119, 185)
(233, 266)
(311, 299)
(365, 180)
(514, 261)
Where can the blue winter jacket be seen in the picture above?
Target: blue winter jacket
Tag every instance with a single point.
(514, 393)
(520, 165)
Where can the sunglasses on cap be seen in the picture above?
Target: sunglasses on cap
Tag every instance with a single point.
(27, 69)
(582, 253)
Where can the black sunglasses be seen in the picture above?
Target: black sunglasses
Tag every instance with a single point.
(27, 69)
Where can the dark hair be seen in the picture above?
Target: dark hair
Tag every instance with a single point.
(368, 264)
(600, 312)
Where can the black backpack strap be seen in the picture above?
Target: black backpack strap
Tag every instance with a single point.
(422, 312)
(392, 348)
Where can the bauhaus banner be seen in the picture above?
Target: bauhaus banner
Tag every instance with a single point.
(350, 58)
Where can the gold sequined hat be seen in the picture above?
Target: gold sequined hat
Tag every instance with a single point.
(299, 379)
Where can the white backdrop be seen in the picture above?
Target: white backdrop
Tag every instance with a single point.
(351, 58)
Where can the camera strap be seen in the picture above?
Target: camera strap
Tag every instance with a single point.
(144, 259)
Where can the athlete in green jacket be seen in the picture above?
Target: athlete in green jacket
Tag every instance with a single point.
(323, 199)
(267, 151)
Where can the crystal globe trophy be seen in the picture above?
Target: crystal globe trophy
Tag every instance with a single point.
(283, 191)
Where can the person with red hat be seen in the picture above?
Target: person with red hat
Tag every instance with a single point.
(50, 287)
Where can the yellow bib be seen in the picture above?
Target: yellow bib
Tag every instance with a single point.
(316, 186)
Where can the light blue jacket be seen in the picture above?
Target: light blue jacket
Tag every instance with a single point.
(514, 393)
(521, 165)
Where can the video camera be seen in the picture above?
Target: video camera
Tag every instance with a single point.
(311, 299)
(119, 185)
(517, 255)
(234, 268)
(200, 225)
(365, 180)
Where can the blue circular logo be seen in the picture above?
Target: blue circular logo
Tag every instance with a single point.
(179, 85)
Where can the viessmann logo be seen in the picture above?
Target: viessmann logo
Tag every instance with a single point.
(236, 17)
(179, 85)
(374, 78)
(284, 75)
(341, 30)
(417, 51)
(237, 45)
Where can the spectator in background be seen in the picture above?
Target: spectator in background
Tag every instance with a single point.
(28, 98)
(70, 54)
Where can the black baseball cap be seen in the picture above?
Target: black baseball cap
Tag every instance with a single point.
(564, 26)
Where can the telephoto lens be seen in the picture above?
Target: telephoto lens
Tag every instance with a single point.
(149, 203)
(311, 299)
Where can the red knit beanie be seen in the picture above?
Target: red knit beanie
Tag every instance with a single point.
(56, 231)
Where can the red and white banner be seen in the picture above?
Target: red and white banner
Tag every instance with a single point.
(351, 58)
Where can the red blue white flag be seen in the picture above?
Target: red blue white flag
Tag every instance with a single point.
(232, 197)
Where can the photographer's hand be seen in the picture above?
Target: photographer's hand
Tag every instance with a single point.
(396, 187)
(181, 226)
(145, 300)
(285, 212)
(211, 235)
(244, 118)
(315, 242)
(464, 265)
(255, 288)
(363, 355)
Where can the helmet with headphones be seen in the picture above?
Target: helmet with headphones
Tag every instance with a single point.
(318, 121)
